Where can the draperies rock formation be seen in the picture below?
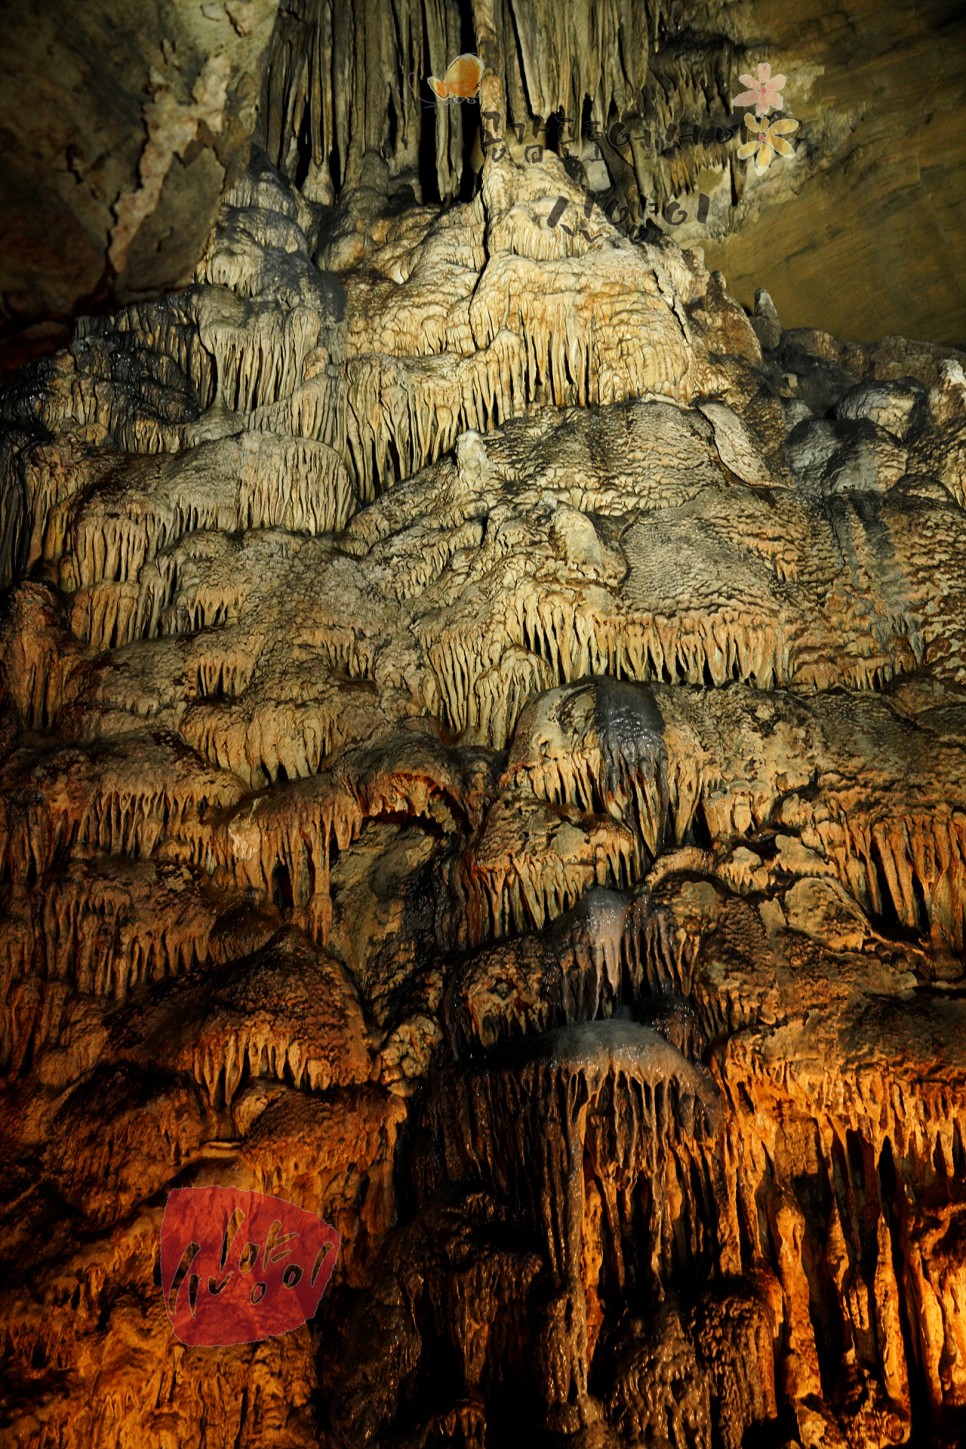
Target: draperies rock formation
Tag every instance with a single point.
(123, 129)
(482, 758)
(879, 94)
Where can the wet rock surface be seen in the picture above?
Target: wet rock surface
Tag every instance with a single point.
(481, 758)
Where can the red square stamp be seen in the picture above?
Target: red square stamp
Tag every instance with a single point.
(237, 1266)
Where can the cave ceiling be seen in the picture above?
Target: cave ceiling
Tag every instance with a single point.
(483, 725)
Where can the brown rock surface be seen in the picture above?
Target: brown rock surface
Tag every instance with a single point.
(481, 759)
(864, 217)
(120, 126)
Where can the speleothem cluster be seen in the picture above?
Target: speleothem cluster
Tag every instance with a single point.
(482, 758)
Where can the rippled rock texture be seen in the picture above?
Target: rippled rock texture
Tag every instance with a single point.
(482, 759)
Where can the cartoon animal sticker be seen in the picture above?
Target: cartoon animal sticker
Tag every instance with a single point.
(461, 81)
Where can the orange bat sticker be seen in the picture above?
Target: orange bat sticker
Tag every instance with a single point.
(461, 81)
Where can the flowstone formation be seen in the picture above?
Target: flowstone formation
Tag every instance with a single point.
(482, 760)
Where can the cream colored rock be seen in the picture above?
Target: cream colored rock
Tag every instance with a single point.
(481, 759)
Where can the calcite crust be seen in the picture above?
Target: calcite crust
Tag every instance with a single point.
(481, 759)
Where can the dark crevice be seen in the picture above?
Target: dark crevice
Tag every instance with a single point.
(282, 889)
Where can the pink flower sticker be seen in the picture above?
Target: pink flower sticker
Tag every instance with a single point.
(764, 93)
(237, 1267)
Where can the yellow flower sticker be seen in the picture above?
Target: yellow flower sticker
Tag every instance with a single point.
(767, 139)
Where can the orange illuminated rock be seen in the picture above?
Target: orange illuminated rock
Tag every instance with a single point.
(482, 783)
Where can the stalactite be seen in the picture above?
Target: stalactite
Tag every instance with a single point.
(481, 758)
